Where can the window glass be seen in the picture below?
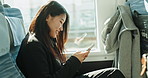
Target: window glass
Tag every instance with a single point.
(82, 20)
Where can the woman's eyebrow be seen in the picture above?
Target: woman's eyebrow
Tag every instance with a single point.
(62, 19)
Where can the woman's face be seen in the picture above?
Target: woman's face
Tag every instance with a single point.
(55, 24)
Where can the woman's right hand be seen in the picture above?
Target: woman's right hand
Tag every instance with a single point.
(81, 55)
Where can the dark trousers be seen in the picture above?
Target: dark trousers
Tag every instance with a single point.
(103, 73)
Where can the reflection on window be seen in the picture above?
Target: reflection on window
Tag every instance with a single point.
(82, 23)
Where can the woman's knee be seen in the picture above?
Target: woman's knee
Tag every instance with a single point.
(117, 74)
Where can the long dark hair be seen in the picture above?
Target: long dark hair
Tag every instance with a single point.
(40, 28)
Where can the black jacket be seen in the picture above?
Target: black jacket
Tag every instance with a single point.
(35, 61)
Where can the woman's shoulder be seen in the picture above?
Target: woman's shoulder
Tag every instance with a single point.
(34, 44)
(30, 39)
(33, 48)
(31, 42)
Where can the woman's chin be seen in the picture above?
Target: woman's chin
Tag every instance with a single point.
(53, 36)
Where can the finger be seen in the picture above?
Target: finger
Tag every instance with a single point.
(87, 52)
(78, 52)
(143, 70)
(84, 58)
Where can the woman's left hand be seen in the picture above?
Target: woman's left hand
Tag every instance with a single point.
(81, 55)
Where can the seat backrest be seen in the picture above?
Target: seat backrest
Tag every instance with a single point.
(4, 33)
(16, 28)
(8, 67)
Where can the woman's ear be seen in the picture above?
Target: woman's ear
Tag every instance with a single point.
(48, 18)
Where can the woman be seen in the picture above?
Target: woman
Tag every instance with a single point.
(41, 56)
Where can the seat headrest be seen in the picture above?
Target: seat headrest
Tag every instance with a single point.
(1, 8)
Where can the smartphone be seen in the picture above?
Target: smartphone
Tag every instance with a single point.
(92, 45)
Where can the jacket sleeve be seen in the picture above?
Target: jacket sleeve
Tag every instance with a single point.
(37, 65)
(109, 34)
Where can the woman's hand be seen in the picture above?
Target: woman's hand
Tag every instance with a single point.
(144, 63)
(81, 55)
